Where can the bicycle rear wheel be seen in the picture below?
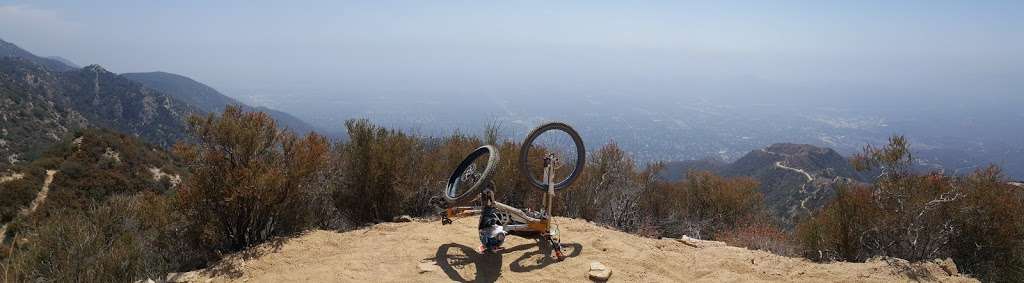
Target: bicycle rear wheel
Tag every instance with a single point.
(455, 181)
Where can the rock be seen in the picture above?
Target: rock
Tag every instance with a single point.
(686, 240)
(427, 267)
(599, 272)
(182, 277)
(112, 154)
(925, 269)
(935, 267)
(948, 266)
(403, 218)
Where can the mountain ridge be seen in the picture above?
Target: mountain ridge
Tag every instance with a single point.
(44, 99)
(207, 98)
(8, 49)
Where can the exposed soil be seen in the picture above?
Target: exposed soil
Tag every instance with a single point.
(428, 251)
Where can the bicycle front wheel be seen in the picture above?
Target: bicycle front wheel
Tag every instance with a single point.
(572, 150)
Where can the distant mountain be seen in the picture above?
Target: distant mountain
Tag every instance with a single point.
(795, 178)
(208, 99)
(44, 99)
(65, 61)
(8, 49)
(38, 107)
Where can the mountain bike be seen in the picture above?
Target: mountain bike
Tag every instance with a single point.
(519, 222)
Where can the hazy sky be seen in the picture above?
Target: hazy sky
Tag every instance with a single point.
(429, 47)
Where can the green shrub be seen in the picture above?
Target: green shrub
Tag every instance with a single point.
(249, 181)
(125, 239)
(760, 234)
(834, 233)
(704, 205)
(378, 171)
(916, 216)
(990, 243)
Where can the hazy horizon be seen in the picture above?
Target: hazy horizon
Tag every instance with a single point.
(576, 49)
(666, 80)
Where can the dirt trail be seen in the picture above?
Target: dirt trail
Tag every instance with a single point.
(801, 171)
(12, 177)
(427, 251)
(40, 198)
(803, 188)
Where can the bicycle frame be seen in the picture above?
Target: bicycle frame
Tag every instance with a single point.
(542, 225)
(518, 215)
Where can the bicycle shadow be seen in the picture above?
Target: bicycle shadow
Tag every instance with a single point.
(544, 251)
(488, 266)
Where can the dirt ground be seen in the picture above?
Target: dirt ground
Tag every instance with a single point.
(430, 252)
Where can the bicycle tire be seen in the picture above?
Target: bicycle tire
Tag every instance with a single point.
(451, 188)
(581, 155)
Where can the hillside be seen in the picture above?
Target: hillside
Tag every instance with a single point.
(795, 178)
(207, 98)
(40, 106)
(86, 169)
(98, 164)
(427, 251)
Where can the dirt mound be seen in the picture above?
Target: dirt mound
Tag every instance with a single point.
(427, 251)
